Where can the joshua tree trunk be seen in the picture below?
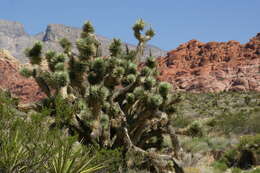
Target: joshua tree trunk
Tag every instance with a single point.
(64, 92)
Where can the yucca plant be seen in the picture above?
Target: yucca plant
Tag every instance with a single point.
(27, 145)
(71, 159)
(13, 154)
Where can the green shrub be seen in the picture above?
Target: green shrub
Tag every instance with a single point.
(28, 145)
(245, 155)
(195, 145)
(195, 129)
(71, 158)
(111, 159)
(220, 166)
(236, 170)
(256, 170)
(181, 121)
(229, 112)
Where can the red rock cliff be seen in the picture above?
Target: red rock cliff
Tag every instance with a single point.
(26, 89)
(213, 66)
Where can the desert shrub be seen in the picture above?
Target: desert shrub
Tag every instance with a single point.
(219, 166)
(71, 158)
(181, 121)
(195, 129)
(236, 170)
(250, 141)
(195, 145)
(232, 122)
(111, 159)
(256, 170)
(245, 155)
(229, 112)
(230, 157)
(219, 143)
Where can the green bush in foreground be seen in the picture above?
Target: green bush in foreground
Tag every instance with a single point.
(27, 145)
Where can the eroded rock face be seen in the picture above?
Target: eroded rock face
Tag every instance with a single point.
(25, 89)
(12, 29)
(213, 66)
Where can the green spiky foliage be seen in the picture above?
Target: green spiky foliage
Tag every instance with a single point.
(52, 79)
(34, 54)
(66, 45)
(28, 145)
(138, 28)
(117, 103)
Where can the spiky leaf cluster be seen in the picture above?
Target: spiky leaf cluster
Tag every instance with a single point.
(26, 72)
(164, 89)
(55, 61)
(60, 78)
(87, 29)
(66, 45)
(115, 47)
(97, 71)
(34, 54)
(87, 47)
(138, 28)
(98, 94)
(154, 101)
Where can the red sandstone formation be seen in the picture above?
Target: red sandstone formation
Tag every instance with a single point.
(25, 89)
(213, 66)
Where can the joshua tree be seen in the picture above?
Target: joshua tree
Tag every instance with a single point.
(119, 102)
(142, 39)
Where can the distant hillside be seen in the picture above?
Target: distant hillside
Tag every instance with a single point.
(14, 38)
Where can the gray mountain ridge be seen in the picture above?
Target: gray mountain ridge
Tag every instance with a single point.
(14, 39)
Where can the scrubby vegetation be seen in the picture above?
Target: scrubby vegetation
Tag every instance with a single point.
(28, 145)
(111, 114)
(229, 122)
(224, 112)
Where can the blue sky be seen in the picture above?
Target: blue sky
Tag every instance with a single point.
(175, 21)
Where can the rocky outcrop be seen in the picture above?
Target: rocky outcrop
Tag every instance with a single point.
(16, 40)
(12, 29)
(10, 79)
(213, 66)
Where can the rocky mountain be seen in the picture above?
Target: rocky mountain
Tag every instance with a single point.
(14, 38)
(213, 66)
(11, 29)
